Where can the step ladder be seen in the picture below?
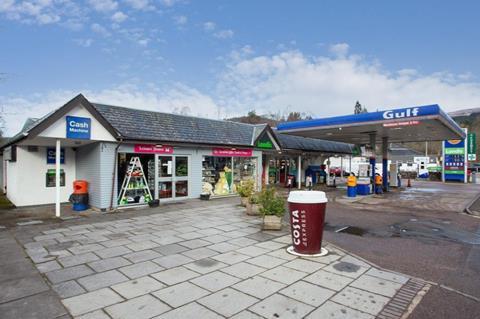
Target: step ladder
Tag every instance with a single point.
(134, 184)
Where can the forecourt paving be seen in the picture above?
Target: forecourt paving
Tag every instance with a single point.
(206, 261)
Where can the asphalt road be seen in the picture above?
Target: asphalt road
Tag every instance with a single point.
(426, 240)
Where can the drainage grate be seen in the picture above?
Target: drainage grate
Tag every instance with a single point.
(405, 300)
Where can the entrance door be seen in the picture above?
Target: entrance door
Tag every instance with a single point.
(173, 173)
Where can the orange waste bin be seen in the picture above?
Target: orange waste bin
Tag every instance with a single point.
(80, 187)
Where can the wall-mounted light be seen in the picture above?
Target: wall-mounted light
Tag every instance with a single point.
(158, 145)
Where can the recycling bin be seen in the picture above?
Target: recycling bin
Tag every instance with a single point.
(307, 216)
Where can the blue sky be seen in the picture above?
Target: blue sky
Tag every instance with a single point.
(224, 58)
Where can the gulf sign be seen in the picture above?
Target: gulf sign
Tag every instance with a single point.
(153, 149)
(78, 127)
(402, 113)
(232, 152)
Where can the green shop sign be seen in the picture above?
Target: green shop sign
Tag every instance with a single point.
(265, 144)
(472, 146)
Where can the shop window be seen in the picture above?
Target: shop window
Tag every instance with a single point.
(244, 168)
(50, 178)
(181, 166)
(181, 189)
(217, 175)
(165, 190)
(164, 166)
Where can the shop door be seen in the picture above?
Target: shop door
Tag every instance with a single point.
(173, 173)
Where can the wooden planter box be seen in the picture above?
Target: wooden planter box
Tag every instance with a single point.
(253, 209)
(243, 201)
(272, 222)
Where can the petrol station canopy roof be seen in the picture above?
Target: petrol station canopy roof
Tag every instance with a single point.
(411, 124)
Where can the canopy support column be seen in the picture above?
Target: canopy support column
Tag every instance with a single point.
(57, 178)
(299, 172)
(385, 163)
(373, 138)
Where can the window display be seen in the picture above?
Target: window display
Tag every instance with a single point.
(136, 175)
(220, 179)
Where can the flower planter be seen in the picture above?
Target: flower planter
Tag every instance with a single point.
(244, 201)
(272, 222)
(204, 196)
(253, 209)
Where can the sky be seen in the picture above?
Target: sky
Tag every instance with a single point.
(220, 59)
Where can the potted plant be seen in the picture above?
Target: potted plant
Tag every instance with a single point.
(245, 189)
(253, 207)
(272, 209)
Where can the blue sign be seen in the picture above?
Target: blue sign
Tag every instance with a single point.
(78, 127)
(51, 153)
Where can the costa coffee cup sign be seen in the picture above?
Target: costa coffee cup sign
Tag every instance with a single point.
(307, 215)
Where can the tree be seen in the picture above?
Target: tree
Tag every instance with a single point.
(359, 109)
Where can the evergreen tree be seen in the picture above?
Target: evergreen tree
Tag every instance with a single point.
(358, 108)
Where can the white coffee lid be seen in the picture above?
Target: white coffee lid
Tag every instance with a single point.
(307, 197)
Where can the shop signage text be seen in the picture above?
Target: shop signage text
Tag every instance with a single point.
(472, 146)
(454, 160)
(78, 127)
(153, 149)
(299, 233)
(51, 153)
(232, 152)
(397, 124)
(265, 144)
(389, 115)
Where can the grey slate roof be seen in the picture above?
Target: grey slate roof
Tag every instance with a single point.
(312, 144)
(165, 127)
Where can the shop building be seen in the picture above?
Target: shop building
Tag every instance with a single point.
(130, 156)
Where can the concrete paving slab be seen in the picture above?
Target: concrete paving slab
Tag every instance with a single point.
(195, 243)
(345, 268)
(204, 266)
(171, 261)
(175, 275)
(170, 249)
(308, 293)
(48, 266)
(140, 269)
(137, 287)
(279, 306)
(112, 252)
(377, 285)
(215, 281)
(246, 315)
(102, 280)
(200, 253)
(68, 289)
(97, 314)
(284, 275)
(227, 302)
(253, 251)
(304, 265)
(144, 307)
(328, 280)
(243, 270)
(231, 257)
(337, 311)
(180, 294)
(259, 287)
(190, 311)
(108, 264)
(142, 255)
(361, 300)
(401, 279)
(91, 301)
(266, 261)
(77, 259)
(223, 247)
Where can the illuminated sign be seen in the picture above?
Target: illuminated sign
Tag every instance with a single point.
(409, 112)
(397, 124)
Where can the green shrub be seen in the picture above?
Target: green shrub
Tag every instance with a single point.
(271, 203)
(246, 188)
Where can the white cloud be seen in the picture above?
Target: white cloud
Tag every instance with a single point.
(209, 26)
(339, 49)
(83, 42)
(119, 17)
(169, 3)
(97, 28)
(223, 34)
(317, 85)
(103, 5)
(177, 98)
(180, 20)
(139, 4)
(330, 86)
